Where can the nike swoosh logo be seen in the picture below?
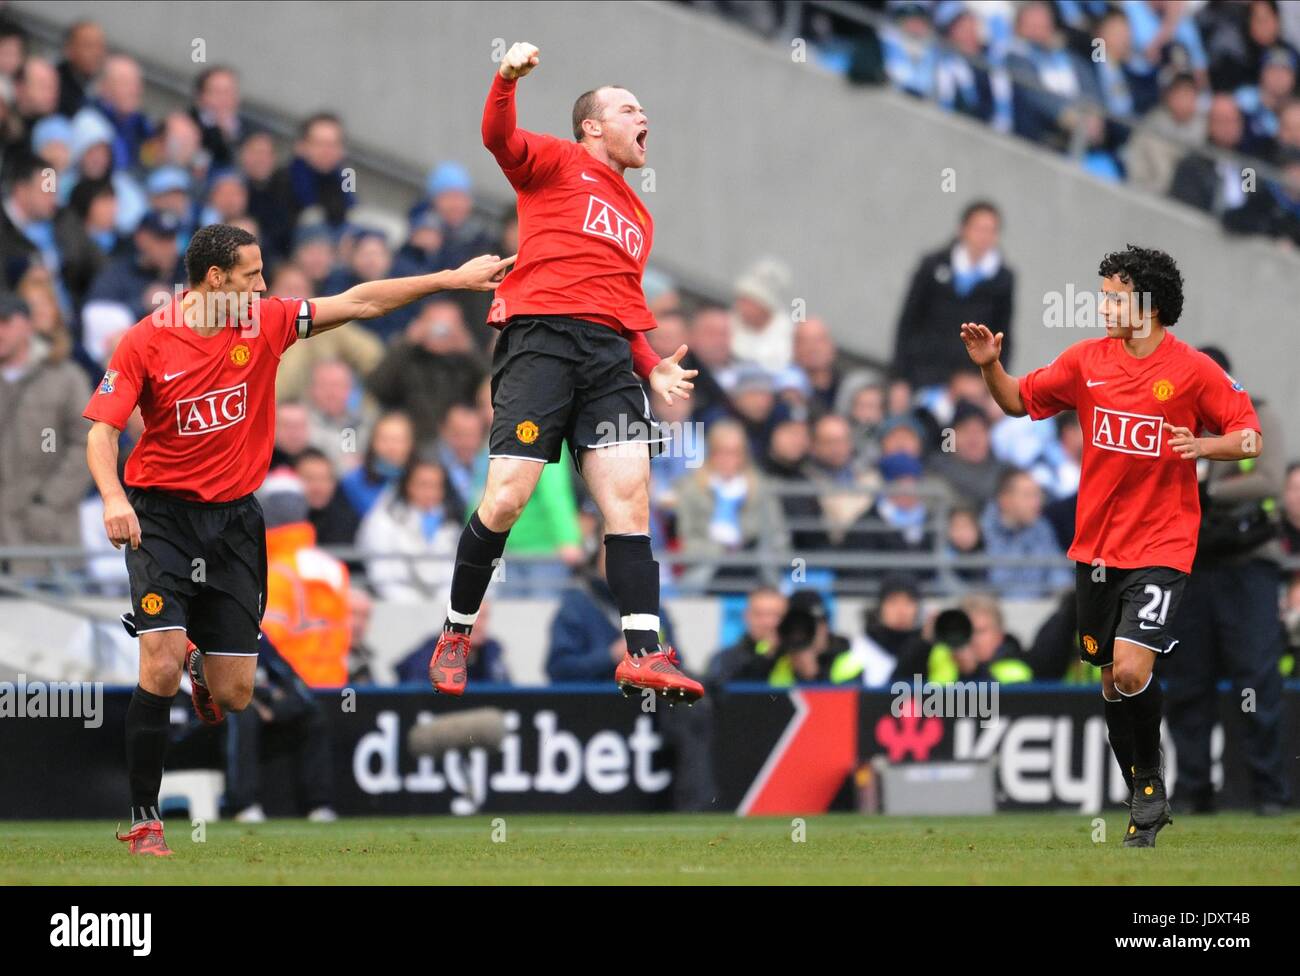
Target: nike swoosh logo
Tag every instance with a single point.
(1145, 627)
(1092, 383)
(590, 179)
(171, 376)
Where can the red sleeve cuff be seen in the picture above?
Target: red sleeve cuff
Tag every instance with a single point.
(644, 358)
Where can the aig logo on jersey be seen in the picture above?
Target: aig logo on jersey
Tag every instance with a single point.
(1128, 433)
(211, 411)
(604, 221)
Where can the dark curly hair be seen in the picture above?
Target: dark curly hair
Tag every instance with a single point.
(1149, 272)
(214, 246)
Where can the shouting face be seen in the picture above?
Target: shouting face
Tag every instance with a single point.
(621, 128)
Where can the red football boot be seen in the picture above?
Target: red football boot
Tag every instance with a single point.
(447, 666)
(205, 706)
(659, 672)
(146, 837)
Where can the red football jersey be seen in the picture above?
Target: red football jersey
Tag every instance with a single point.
(584, 236)
(1138, 504)
(208, 403)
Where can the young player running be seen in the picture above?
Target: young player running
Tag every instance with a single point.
(1144, 398)
(573, 320)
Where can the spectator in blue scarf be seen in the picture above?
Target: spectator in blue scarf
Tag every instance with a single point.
(1261, 103)
(727, 507)
(910, 53)
(1165, 34)
(391, 444)
(1050, 79)
(26, 222)
(964, 281)
(410, 536)
(121, 92)
(965, 82)
(315, 177)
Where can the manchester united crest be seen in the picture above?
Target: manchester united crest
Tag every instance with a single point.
(526, 431)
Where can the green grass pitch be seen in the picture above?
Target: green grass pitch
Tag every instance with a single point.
(665, 850)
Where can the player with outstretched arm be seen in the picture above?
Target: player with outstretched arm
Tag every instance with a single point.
(1144, 399)
(202, 371)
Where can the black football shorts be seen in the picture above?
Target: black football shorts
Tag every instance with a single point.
(557, 379)
(1135, 605)
(201, 568)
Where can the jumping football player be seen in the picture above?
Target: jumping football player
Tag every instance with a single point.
(202, 371)
(1144, 398)
(573, 320)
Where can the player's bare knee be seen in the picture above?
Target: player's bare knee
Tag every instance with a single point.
(160, 675)
(1129, 677)
(1108, 684)
(502, 510)
(161, 664)
(234, 696)
(629, 510)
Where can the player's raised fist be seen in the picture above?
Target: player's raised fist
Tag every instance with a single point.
(983, 347)
(519, 60)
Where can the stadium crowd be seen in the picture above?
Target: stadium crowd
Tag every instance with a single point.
(794, 460)
(1183, 99)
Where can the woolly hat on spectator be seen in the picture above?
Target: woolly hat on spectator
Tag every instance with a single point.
(160, 223)
(965, 410)
(899, 465)
(11, 305)
(1278, 57)
(167, 179)
(89, 128)
(899, 583)
(447, 177)
(52, 128)
(750, 377)
(792, 379)
(312, 233)
(224, 174)
(902, 420)
(428, 218)
(656, 284)
(767, 282)
(283, 499)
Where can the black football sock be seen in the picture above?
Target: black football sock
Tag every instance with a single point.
(147, 719)
(633, 577)
(1119, 729)
(1145, 707)
(476, 561)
